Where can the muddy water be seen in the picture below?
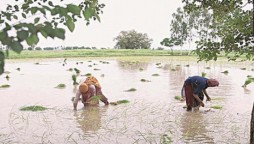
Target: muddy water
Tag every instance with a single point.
(152, 116)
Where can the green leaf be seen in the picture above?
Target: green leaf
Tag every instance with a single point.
(36, 20)
(74, 9)
(88, 13)
(34, 10)
(98, 18)
(15, 17)
(22, 35)
(44, 33)
(60, 33)
(70, 24)
(23, 15)
(50, 3)
(3, 35)
(16, 46)
(32, 39)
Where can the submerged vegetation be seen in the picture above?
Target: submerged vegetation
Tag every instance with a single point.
(60, 86)
(33, 108)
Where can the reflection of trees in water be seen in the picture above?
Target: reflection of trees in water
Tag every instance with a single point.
(193, 128)
(89, 119)
(132, 65)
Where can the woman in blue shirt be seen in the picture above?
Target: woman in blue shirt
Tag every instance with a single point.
(194, 89)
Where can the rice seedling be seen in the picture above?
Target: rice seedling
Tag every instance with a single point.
(225, 72)
(96, 69)
(102, 75)
(173, 69)
(187, 65)
(60, 86)
(37, 63)
(131, 90)
(203, 74)
(248, 81)
(18, 69)
(33, 108)
(89, 65)
(144, 80)
(141, 69)
(219, 98)
(216, 107)
(70, 69)
(178, 97)
(119, 102)
(74, 79)
(157, 64)
(155, 75)
(243, 68)
(207, 68)
(7, 77)
(77, 70)
(88, 74)
(5, 86)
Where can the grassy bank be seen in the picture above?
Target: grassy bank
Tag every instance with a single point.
(90, 53)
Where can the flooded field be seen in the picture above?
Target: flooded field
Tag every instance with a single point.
(153, 115)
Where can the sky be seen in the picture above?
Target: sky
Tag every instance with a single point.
(145, 16)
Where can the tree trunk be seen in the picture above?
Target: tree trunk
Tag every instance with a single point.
(252, 126)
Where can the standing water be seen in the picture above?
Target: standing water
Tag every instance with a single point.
(153, 115)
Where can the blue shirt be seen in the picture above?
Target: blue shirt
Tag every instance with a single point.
(198, 83)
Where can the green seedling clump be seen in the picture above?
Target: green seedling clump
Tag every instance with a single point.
(216, 107)
(155, 74)
(33, 108)
(178, 97)
(119, 102)
(131, 89)
(60, 86)
(5, 86)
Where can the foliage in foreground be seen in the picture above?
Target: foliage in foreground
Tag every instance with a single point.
(26, 19)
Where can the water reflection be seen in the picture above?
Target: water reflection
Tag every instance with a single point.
(89, 119)
(193, 128)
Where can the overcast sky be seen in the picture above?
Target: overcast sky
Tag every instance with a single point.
(145, 16)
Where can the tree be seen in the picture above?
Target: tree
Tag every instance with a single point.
(185, 27)
(26, 22)
(132, 40)
(232, 25)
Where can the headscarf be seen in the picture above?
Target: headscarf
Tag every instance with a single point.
(83, 88)
(92, 80)
(212, 82)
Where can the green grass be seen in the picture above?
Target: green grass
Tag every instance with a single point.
(33, 108)
(216, 107)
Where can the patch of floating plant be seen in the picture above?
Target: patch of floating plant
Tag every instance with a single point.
(144, 80)
(203, 74)
(218, 98)
(225, 72)
(70, 69)
(178, 97)
(33, 108)
(18, 69)
(119, 102)
(243, 68)
(187, 65)
(216, 107)
(60, 86)
(95, 64)
(96, 69)
(158, 64)
(4, 86)
(141, 69)
(130, 90)
(7, 77)
(37, 63)
(155, 75)
(173, 69)
(207, 68)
